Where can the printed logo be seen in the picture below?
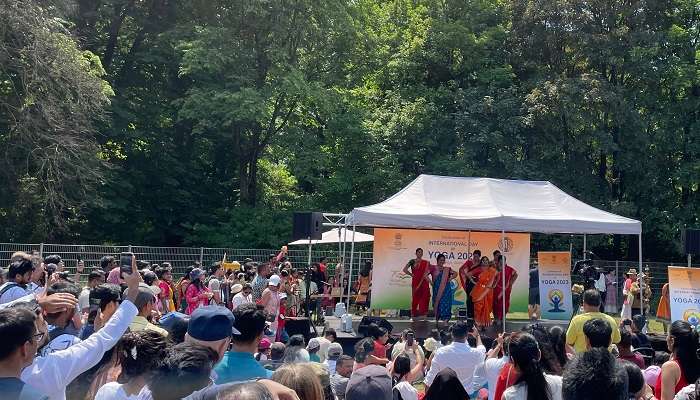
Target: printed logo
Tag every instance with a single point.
(506, 244)
(556, 300)
(692, 315)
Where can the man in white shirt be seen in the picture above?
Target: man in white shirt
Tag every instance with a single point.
(487, 372)
(18, 277)
(244, 296)
(52, 374)
(459, 356)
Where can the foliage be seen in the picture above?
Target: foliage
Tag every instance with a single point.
(228, 115)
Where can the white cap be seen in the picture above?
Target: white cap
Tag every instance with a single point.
(274, 281)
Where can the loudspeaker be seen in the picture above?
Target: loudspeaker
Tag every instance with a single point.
(366, 320)
(691, 238)
(298, 326)
(307, 224)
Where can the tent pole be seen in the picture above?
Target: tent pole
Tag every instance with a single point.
(352, 253)
(503, 280)
(641, 281)
(584, 247)
(345, 239)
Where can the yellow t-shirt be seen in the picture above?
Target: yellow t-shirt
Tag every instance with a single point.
(575, 336)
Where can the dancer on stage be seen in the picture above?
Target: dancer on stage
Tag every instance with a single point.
(469, 275)
(419, 270)
(499, 293)
(443, 292)
(482, 293)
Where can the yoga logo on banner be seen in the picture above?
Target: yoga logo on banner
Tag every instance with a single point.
(555, 284)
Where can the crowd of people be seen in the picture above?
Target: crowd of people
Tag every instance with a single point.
(220, 334)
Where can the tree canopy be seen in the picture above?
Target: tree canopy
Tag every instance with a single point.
(172, 122)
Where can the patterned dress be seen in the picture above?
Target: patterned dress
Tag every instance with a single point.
(443, 307)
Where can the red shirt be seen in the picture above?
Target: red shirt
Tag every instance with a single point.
(680, 385)
(504, 380)
(418, 273)
(379, 349)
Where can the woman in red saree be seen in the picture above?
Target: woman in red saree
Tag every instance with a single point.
(482, 294)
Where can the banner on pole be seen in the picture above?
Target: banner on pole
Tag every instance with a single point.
(393, 248)
(684, 294)
(555, 284)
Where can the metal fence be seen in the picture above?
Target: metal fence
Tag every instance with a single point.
(181, 257)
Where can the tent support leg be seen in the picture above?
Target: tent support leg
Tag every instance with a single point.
(641, 281)
(352, 254)
(584, 247)
(503, 281)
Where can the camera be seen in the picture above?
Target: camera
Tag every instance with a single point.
(588, 272)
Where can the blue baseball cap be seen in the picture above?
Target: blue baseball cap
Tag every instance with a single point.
(211, 323)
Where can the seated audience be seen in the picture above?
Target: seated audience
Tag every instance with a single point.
(625, 349)
(651, 374)
(402, 375)
(313, 348)
(369, 382)
(245, 391)
(637, 388)
(684, 366)
(335, 350)
(598, 333)
(594, 374)
(458, 356)
(447, 385)
(186, 369)
(302, 379)
(341, 376)
(532, 382)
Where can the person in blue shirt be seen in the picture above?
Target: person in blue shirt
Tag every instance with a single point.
(239, 363)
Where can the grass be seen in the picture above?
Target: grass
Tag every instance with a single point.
(654, 326)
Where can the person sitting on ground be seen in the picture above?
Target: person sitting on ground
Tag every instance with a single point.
(302, 379)
(594, 374)
(20, 342)
(591, 306)
(625, 349)
(486, 373)
(296, 351)
(639, 338)
(313, 347)
(459, 356)
(636, 387)
(341, 376)
(402, 375)
(186, 369)
(651, 374)
(138, 353)
(277, 350)
(334, 352)
(263, 353)
(598, 333)
(145, 302)
(19, 274)
(446, 386)
(532, 382)
(51, 374)
(239, 364)
(684, 366)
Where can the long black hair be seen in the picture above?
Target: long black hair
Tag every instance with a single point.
(549, 360)
(558, 336)
(685, 348)
(402, 366)
(525, 354)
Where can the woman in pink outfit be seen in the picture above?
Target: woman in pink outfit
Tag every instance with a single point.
(197, 294)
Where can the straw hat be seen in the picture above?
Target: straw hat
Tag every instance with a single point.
(632, 271)
(235, 289)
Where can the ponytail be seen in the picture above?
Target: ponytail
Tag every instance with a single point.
(525, 354)
(685, 349)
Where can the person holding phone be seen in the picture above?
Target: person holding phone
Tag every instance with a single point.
(409, 345)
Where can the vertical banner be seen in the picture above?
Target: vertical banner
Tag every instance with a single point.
(684, 294)
(393, 248)
(555, 284)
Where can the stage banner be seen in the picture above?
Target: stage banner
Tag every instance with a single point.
(684, 294)
(555, 284)
(393, 248)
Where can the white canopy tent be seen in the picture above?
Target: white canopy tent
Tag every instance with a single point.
(486, 204)
(335, 235)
